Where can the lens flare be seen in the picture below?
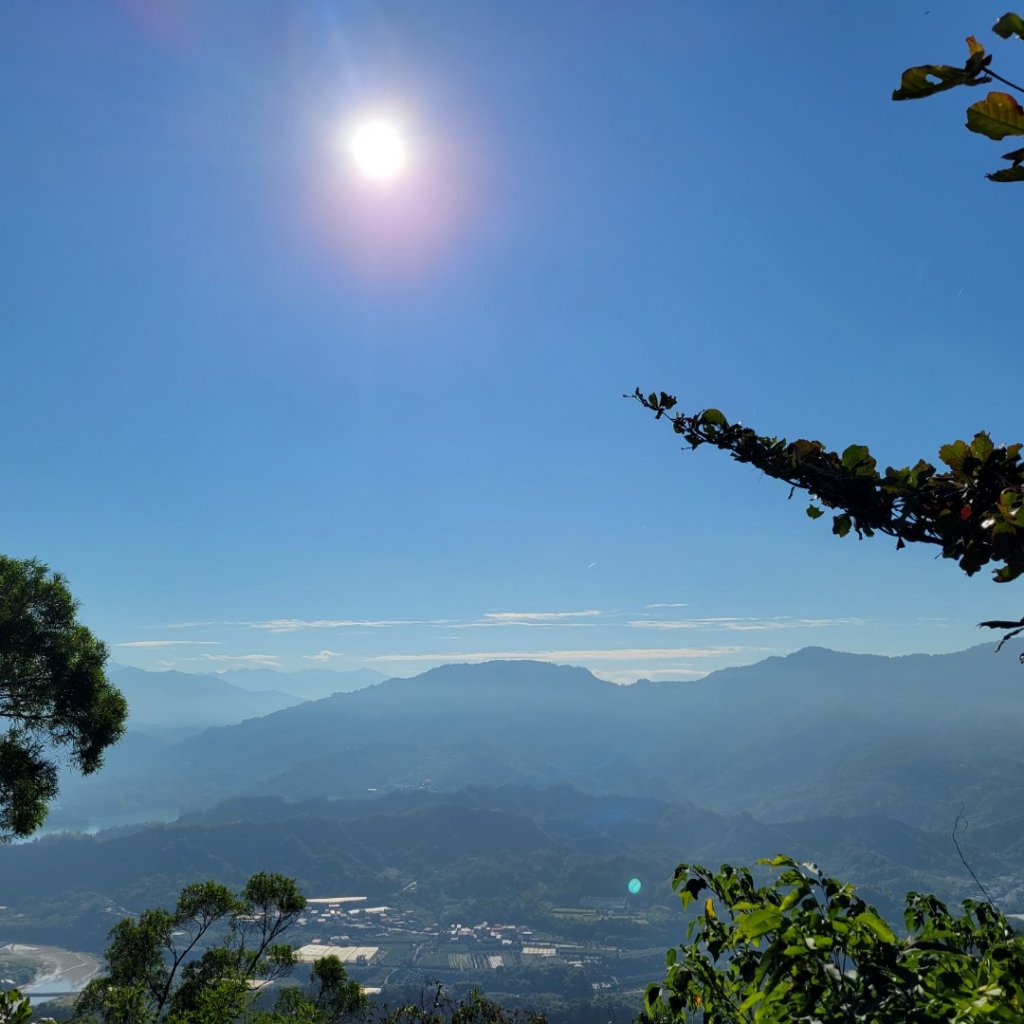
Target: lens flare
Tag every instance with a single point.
(635, 885)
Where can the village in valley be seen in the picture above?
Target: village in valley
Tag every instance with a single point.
(388, 949)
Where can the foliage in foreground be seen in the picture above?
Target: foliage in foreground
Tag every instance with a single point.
(998, 114)
(801, 947)
(804, 947)
(293, 1006)
(54, 694)
(203, 962)
(474, 1009)
(14, 1007)
(973, 511)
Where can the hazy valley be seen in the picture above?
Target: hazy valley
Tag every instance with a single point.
(523, 792)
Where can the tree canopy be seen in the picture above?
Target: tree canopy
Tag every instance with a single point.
(202, 962)
(998, 114)
(475, 1008)
(54, 695)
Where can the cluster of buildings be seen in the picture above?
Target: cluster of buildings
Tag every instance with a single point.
(337, 916)
(491, 934)
(382, 946)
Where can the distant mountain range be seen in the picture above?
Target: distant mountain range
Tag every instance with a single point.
(162, 701)
(861, 763)
(818, 732)
(167, 702)
(308, 684)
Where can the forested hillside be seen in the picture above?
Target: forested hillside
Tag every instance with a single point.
(475, 854)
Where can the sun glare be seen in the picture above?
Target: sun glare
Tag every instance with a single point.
(378, 150)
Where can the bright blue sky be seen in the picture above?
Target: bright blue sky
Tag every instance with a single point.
(334, 424)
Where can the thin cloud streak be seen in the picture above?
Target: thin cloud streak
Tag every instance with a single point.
(522, 624)
(613, 654)
(742, 625)
(294, 625)
(489, 620)
(266, 660)
(202, 625)
(288, 625)
(540, 616)
(169, 643)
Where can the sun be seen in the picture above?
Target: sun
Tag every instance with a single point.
(378, 150)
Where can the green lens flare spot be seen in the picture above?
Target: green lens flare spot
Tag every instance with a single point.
(634, 886)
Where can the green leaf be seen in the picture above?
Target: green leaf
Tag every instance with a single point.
(792, 898)
(841, 525)
(855, 455)
(916, 82)
(751, 1001)
(996, 116)
(1003, 540)
(953, 454)
(1009, 25)
(692, 890)
(982, 446)
(1011, 507)
(713, 418)
(803, 449)
(1014, 173)
(877, 926)
(760, 922)
(778, 861)
(814, 512)
(651, 997)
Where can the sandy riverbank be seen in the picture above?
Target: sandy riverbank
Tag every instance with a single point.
(57, 970)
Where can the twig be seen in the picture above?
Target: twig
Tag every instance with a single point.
(963, 860)
(1005, 81)
(1013, 627)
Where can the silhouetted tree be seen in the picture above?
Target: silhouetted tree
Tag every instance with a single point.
(54, 695)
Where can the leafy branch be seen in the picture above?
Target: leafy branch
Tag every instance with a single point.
(973, 510)
(998, 114)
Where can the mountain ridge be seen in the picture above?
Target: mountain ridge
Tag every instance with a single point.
(912, 736)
